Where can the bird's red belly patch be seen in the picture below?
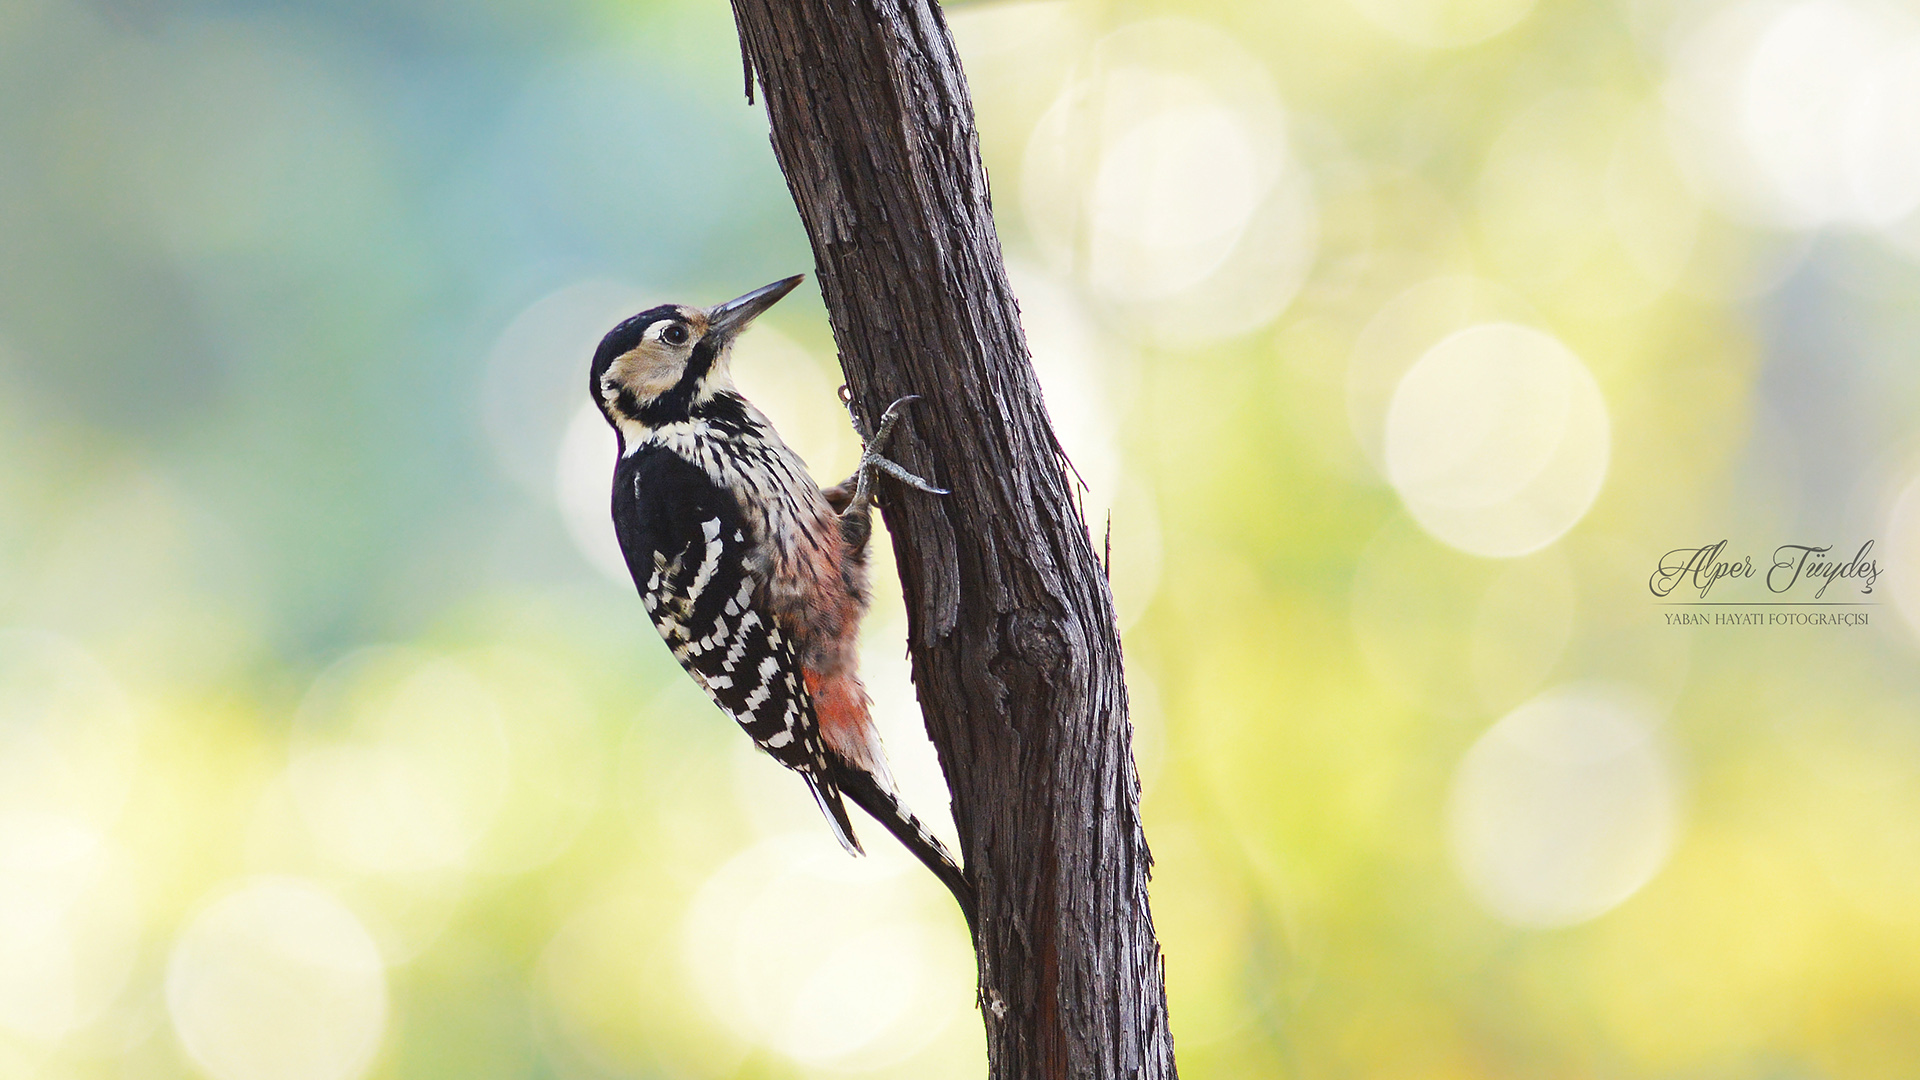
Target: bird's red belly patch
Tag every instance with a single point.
(840, 705)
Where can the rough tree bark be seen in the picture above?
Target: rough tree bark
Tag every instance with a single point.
(1014, 646)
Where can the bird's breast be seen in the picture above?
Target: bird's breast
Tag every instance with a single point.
(795, 532)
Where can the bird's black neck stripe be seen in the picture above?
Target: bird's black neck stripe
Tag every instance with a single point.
(726, 412)
(676, 404)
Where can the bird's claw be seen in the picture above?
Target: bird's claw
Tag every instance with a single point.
(871, 460)
(887, 421)
(893, 469)
(870, 457)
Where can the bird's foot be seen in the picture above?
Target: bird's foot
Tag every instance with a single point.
(853, 497)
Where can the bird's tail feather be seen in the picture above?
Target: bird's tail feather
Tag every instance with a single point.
(886, 808)
(827, 794)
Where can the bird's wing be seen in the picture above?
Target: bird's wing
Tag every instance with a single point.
(693, 558)
(701, 602)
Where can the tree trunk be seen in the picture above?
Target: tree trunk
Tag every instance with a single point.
(1015, 650)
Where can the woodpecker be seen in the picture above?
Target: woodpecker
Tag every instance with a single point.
(754, 576)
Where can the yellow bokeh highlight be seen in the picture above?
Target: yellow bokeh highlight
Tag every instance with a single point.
(1395, 340)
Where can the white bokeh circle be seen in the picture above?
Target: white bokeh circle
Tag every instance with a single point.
(278, 981)
(864, 987)
(583, 489)
(1497, 439)
(69, 924)
(1565, 807)
(399, 761)
(535, 379)
(1170, 198)
(1801, 81)
(1797, 114)
(1902, 553)
(1164, 179)
(1443, 24)
(67, 729)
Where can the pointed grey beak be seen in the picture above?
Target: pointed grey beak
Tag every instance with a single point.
(733, 316)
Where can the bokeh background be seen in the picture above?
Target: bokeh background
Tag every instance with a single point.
(1397, 339)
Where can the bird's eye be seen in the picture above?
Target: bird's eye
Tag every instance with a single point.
(676, 334)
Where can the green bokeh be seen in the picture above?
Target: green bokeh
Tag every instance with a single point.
(295, 301)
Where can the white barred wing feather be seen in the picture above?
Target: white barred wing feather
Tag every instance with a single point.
(701, 602)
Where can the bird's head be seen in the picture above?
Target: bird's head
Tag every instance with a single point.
(656, 367)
